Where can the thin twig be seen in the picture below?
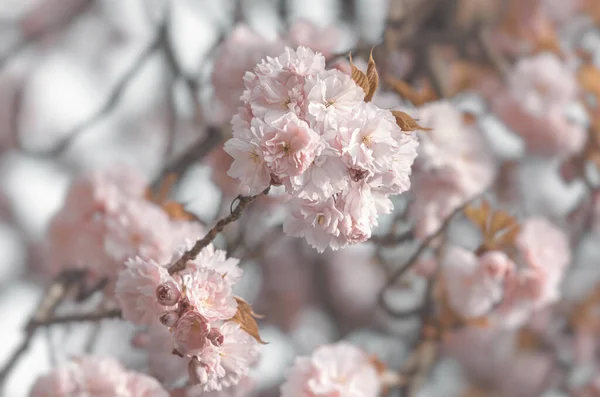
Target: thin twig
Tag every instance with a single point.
(192, 253)
(110, 102)
(61, 24)
(52, 297)
(194, 154)
(413, 259)
(77, 318)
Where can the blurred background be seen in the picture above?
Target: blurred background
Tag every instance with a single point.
(152, 84)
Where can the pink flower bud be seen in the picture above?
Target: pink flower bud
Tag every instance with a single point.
(197, 372)
(169, 318)
(215, 336)
(168, 293)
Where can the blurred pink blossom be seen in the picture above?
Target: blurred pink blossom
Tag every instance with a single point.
(339, 370)
(533, 104)
(454, 163)
(96, 377)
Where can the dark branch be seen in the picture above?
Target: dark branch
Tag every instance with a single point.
(191, 254)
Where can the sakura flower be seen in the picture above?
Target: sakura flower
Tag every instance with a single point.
(209, 293)
(248, 163)
(324, 177)
(136, 290)
(289, 146)
(243, 389)
(319, 223)
(333, 370)
(225, 365)
(533, 105)
(215, 259)
(96, 377)
(191, 334)
(138, 228)
(474, 285)
(367, 138)
(332, 94)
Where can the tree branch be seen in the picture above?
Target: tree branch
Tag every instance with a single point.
(110, 102)
(52, 297)
(413, 259)
(191, 254)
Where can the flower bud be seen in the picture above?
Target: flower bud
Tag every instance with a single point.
(168, 293)
(197, 372)
(215, 337)
(169, 318)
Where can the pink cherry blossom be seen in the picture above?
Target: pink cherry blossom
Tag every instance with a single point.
(289, 146)
(533, 105)
(190, 334)
(209, 293)
(340, 370)
(319, 223)
(310, 130)
(475, 285)
(136, 290)
(249, 165)
(96, 377)
(454, 164)
(331, 94)
(226, 365)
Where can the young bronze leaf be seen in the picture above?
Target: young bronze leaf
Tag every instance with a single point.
(359, 77)
(501, 220)
(245, 317)
(477, 215)
(589, 78)
(372, 78)
(407, 123)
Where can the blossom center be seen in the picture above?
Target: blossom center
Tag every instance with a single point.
(321, 219)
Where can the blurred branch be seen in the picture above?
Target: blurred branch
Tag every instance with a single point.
(62, 23)
(413, 259)
(190, 156)
(73, 318)
(52, 297)
(111, 101)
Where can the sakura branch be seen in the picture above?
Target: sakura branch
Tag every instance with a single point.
(193, 252)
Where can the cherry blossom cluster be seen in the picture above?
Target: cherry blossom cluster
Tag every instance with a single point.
(93, 376)
(506, 289)
(309, 130)
(106, 219)
(197, 305)
(340, 369)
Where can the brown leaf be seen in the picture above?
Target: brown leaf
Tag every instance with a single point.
(406, 91)
(407, 123)
(245, 317)
(499, 229)
(477, 215)
(177, 211)
(589, 77)
(372, 78)
(379, 365)
(501, 220)
(359, 77)
(469, 118)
